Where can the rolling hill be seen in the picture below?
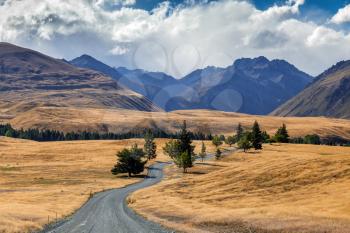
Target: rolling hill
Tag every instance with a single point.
(328, 96)
(29, 79)
(206, 121)
(253, 86)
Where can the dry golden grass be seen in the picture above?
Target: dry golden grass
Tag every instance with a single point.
(121, 120)
(41, 179)
(38, 180)
(284, 188)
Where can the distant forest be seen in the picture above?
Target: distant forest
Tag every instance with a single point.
(54, 135)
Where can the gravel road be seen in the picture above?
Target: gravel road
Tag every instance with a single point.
(107, 212)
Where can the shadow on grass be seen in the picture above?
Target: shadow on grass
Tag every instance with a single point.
(132, 176)
(235, 226)
(209, 164)
(253, 152)
(196, 173)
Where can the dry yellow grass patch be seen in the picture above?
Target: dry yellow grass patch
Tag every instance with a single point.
(284, 188)
(41, 179)
(38, 180)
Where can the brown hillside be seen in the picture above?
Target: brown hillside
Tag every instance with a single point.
(328, 96)
(29, 79)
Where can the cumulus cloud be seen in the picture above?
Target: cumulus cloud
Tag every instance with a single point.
(118, 50)
(173, 39)
(107, 4)
(342, 16)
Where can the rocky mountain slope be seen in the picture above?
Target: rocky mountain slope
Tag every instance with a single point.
(328, 96)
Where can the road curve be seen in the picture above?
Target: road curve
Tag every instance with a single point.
(107, 212)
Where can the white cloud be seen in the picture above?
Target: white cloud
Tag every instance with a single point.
(342, 16)
(324, 36)
(118, 50)
(108, 4)
(174, 40)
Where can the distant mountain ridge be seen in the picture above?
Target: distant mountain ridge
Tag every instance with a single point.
(29, 79)
(253, 86)
(149, 84)
(328, 96)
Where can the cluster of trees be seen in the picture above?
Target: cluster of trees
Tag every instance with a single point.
(181, 150)
(308, 139)
(133, 160)
(254, 138)
(317, 140)
(54, 135)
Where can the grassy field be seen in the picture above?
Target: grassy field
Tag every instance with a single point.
(215, 122)
(38, 180)
(284, 188)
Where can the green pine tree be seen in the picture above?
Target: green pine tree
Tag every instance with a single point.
(257, 138)
(239, 132)
(218, 154)
(185, 140)
(150, 146)
(185, 161)
(282, 135)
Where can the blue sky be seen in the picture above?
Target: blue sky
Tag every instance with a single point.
(316, 10)
(328, 6)
(178, 37)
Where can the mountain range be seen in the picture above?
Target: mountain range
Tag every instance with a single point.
(29, 79)
(253, 86)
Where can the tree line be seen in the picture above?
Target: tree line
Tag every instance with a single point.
(241, 135)
(255, 137)
(54, 135)
(181, 150)
(251, 138)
